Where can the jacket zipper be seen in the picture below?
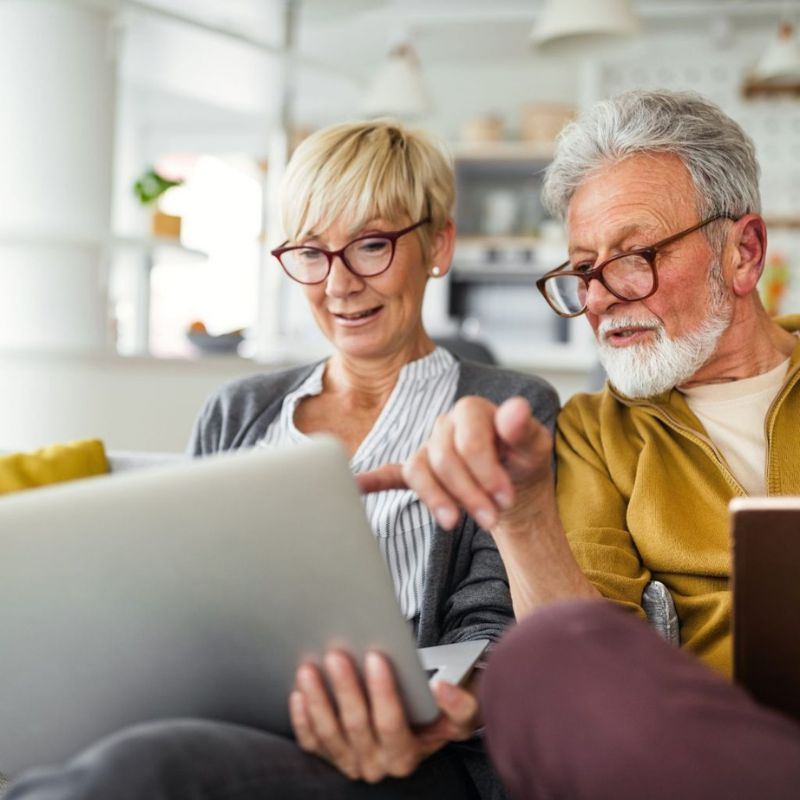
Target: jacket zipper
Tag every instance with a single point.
(706, 443)
(769, 421)
(693, 436)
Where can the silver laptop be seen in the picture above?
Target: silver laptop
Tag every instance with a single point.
(191, 590)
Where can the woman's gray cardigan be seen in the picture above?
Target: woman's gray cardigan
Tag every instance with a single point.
(465, 594)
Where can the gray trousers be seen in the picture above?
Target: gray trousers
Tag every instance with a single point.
(199, 760)
(583, 701)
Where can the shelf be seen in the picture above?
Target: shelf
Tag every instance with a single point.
(150, 243)
(499, 242)
(790, 223)
(504, 258)
(144, 243)
(525, 275)
(755, 88)
(498, 279)
(33, 238)
(503, 151)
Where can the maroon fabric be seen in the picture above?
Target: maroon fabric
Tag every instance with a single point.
(584, 701)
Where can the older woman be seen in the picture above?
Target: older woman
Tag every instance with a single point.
(367, 210)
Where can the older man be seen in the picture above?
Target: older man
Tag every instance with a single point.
(660, 195)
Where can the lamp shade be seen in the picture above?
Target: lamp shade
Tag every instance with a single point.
(398, 88)
(565, 20)
(781, 60)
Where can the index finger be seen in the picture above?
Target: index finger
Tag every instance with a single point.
(526, 445)
(389, 476)
(475, 444)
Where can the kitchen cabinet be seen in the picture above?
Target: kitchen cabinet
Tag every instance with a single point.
(505, 242)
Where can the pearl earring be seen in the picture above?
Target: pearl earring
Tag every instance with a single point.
(436, 272)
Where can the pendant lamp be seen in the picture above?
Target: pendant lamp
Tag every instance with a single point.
(781, 60)
(564, 21)
(777, 72)
(398, 88)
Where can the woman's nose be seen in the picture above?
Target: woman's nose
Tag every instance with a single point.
(341, 281)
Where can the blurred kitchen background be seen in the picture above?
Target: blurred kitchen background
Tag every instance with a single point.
(142, 141)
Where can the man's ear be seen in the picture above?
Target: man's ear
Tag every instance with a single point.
(444, 242)
(748, 239)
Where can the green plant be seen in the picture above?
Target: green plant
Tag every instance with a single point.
(150, 186)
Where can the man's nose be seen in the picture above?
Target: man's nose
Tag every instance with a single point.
(598, 298)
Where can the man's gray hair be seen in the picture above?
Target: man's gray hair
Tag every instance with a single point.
(718, 154)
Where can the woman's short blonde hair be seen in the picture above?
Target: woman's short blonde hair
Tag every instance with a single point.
(359, 171)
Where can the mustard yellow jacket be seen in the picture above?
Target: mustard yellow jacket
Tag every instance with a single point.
(643, 493)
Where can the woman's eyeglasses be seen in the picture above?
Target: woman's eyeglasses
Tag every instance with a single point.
(365, 256)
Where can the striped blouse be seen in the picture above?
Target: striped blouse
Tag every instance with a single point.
(402, 525)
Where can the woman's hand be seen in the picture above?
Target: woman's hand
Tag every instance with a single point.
(363, 730)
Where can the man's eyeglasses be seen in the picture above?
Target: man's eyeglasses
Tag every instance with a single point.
(628, 276)
(366, 256)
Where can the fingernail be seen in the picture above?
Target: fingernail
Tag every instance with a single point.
(305, 677)
(446, 517)
(333, 661)
(372, 661)
(503, 500)
(329, 662)
(485, 518)
(448, 693)
(446, 689)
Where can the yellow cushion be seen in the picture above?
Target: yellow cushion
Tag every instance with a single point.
(58, 462)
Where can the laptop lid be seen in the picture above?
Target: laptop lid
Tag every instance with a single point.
(766, 599)
(186, 590)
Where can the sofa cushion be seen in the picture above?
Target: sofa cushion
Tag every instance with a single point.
(52, 464)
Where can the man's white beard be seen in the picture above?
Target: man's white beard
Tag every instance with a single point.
(644, 370)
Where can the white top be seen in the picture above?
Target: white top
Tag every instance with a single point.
(402, 525)
(734, 416)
